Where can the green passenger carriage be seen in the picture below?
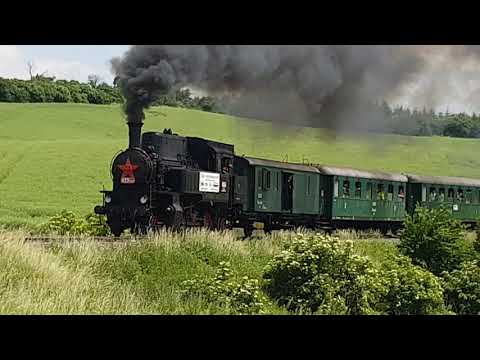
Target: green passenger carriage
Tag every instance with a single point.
(370, 199)
(461, 196)
(275, 193)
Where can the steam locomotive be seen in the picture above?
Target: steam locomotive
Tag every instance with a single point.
(167, 180)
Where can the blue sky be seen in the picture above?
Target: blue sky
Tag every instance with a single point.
(63, 61)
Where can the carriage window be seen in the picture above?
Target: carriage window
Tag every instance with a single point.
(432, 194)
(424, 193)
(390, 193)
(259, 180)
(308, 185)
(346, 188)
(460, 195)
(451, 193)
(368, 193)
(278, 181)
(441, 194)
(381, 192)
(468, 196)
(401, 192)
(266, 179)
(358, 189)
(335, 188)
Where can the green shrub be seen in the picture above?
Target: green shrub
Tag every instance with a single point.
(411, 290)
(319, 274)
(476, 243)
(96, 225)
(462, 289)
(67, 223)
(433, 239)
(238, 297)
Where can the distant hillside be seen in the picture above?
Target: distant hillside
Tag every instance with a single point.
(55, 156)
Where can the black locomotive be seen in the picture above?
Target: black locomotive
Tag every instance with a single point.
(163, 179)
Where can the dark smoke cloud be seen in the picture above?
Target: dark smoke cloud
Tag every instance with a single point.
(323, 86)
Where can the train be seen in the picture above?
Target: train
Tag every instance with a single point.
(167, 180)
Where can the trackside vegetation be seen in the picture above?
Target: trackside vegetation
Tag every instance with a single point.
(201, 272)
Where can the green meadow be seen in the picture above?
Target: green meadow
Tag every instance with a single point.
(57, 156)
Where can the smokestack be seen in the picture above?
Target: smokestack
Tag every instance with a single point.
(134, 134)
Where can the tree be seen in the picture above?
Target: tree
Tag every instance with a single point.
(94, 80)
(30, 69)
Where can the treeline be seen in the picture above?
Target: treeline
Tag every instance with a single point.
(42, 89)
(404, 121)
(372, 117)
(185, 99)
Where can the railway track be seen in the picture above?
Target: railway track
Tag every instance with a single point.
(104, 239)
(125, 239)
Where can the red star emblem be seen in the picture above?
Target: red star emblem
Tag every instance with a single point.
(127, 172)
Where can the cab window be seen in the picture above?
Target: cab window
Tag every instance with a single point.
(226, 165)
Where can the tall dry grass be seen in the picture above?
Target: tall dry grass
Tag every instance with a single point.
(135, 276)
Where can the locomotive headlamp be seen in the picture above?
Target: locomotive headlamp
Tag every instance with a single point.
(108, 199)
(144, 199)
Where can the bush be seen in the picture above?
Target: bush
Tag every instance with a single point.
(411, 290)
(462, 289)
(96, 225)
(476, 242)
(433, 239)
(67, 223)
(319, 274)
(238, 297)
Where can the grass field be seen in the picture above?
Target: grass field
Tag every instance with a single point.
(56, 156)
(87, 277)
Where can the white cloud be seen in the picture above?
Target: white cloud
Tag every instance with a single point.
(13, 64)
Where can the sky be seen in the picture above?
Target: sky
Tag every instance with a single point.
(71, 62)
(457, 85)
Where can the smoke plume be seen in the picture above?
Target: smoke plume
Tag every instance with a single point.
(321, 86)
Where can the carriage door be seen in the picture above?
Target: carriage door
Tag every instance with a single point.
(287, 191)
